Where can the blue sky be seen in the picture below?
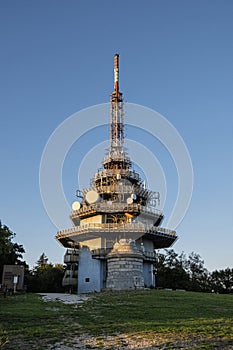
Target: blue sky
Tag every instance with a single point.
(175, 57)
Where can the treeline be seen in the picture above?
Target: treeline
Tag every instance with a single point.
(172, 270)
(178, 271)
(43, 277)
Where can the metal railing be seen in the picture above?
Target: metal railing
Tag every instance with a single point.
(167, 231)
(71, 258)
(101, 251)
(102, 227)
(116, 207)
(114, 172)
(130, 227)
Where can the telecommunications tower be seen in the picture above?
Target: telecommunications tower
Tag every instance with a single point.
(116, 223)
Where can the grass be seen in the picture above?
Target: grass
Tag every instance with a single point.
(111, 320)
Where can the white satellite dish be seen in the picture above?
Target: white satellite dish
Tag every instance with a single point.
(92, 197)
(129, 200)
(133, 196)
(76, 206)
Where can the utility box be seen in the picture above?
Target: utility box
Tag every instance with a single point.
(13, 277)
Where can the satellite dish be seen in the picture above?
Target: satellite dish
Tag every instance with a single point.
(92, 197)
(129, 200)
(76, 206)
(133, 196)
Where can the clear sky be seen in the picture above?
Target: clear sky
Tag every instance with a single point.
(175, 57)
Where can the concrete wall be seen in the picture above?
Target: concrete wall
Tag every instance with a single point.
(145, 219)
(96, 219)
(126, 269)
(103, 273)
(90, 278)
(148, 245)
(11, 271)
(125, 266)
(98, 243)
(125, 273)
(94, 243)
(148, 274)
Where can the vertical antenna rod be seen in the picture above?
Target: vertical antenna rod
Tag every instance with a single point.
(116, 74)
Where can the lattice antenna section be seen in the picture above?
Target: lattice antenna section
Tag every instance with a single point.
(116, 113)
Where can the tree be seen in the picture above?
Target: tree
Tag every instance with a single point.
(179, 272)
(171, 270)
(10, 252)
(197, 272)
(222, 281)
(45, 277)
(42, 264)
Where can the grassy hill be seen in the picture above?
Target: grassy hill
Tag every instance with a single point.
(147, 319)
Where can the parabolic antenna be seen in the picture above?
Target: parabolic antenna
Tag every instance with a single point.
(129, 200)
(76, 206)
(133, 196)
(92, 197)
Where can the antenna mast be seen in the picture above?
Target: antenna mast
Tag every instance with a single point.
(116, 158)
(116, 114)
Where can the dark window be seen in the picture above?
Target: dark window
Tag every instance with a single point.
(87, 279)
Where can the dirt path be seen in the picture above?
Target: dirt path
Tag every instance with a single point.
(65, 298)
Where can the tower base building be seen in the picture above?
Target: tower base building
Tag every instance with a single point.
(125, 266)
(116, 224)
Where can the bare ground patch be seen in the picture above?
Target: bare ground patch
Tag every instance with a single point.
(140, 342)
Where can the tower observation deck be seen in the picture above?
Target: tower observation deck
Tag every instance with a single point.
(116, 206)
